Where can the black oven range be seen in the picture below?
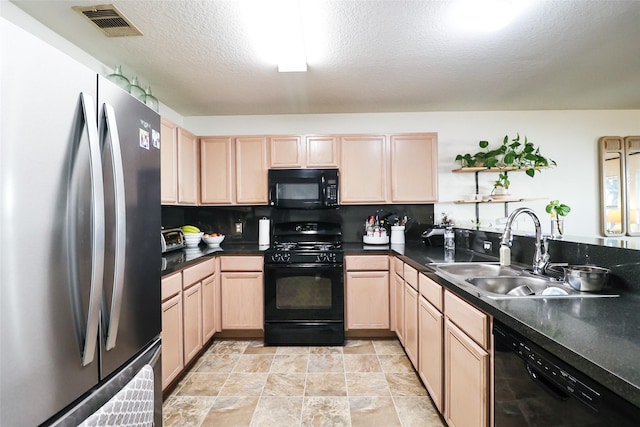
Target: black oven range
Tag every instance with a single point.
(304, 285)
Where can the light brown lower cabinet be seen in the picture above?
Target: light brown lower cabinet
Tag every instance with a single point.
(241, 292)
(430, 354)
(192, 311)
(398, 290)
(411, 323)
(172, 347)
(466, 364)
(208, 307)
(367, 292)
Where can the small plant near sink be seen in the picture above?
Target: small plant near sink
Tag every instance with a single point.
(557, 210)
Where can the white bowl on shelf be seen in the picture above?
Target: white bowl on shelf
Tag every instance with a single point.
(213, 241)
(192, 239)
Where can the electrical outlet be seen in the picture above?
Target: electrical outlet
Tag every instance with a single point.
(487, 245)
(238, 228)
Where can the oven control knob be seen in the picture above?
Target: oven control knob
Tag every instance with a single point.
(281, 257)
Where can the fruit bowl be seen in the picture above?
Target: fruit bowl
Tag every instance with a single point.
(192, 239)
(213, 240)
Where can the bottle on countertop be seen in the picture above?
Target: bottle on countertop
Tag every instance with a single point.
(449, 239)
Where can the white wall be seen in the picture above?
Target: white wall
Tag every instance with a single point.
(568, 137)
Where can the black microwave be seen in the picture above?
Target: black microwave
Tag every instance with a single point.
(303, 188)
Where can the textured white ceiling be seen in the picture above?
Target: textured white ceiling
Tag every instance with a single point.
(377, 56)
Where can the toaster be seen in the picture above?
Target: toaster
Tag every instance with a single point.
(172, 239)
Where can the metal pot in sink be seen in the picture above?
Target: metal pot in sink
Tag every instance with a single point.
(586, 278)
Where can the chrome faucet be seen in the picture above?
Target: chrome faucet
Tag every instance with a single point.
(541, 255)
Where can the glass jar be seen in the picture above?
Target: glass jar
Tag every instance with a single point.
(136, 90)
(150, 100)
(557, 228)
(117, 78)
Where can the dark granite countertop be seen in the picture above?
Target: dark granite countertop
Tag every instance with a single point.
(598, 336)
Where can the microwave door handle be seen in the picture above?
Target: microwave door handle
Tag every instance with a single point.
(323, 183)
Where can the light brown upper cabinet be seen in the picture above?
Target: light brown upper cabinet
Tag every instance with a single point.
(233, 170)
(251, 170)
(311, 151)
(414, 168)
(168, 162)
(217, 170)
(187, 168)
(322, 151)
(286, 151)
(363, 169)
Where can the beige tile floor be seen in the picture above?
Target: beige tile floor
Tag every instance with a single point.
(242, 383)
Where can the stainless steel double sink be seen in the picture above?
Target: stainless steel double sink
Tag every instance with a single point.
(494, 281)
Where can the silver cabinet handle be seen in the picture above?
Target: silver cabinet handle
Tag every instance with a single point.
(97, 230)
(120, 228)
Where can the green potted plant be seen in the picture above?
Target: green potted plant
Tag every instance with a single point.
(557, 210)
(512, 153)
(501, 185)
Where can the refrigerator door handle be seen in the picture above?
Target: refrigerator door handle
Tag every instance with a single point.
(120, 228)
(97, 230)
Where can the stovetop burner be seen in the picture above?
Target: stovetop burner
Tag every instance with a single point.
(306, 246)
(306, 242)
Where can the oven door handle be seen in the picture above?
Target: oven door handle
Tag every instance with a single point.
(547, 385)
(303, 265)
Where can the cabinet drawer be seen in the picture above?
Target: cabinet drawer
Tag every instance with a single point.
(431, 291)
(171, 285)
(366, 262)
(411, 276)
(472, 321)
(198, 272)
(398, 266)
(241, 263)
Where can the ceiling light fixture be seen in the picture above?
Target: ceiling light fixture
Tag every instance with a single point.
(276, 30)
(290, 38)
(486, 15)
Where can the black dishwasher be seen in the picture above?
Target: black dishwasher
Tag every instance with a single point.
(534, 388)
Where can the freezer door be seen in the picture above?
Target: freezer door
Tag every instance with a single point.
(47, 229)
(130, 136)
(130, 397)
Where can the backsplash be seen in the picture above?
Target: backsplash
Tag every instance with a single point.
(623, 263)
(223, 219)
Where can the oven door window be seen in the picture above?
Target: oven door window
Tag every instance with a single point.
(303, 292)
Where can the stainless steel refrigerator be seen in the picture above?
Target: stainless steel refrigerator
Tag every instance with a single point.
(79, 224)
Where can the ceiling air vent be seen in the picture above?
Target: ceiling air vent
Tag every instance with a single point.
(109, 19)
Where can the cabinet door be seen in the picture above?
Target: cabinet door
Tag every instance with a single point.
(367, 300)
(399, 306)
(192, 312)
(286, 152)
(414, 168)
(187, 168)
(363, 169)
(322, 152)
(251, 170)
(217, 171)
(466, 380)
(168, 162)
(411, 323)
(430, 350)
(172, 344)
(208, 308)
(242, 300)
